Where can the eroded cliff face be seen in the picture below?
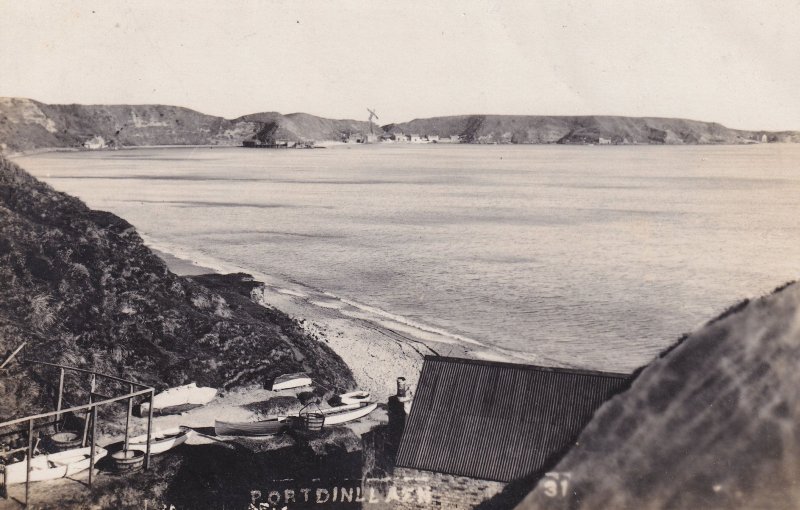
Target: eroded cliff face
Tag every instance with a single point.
(713, 423)
(82, 289)
(585, 130)
(27, 125)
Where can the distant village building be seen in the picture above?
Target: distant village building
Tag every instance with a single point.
(96, 142)
(415, 138)
(353, 138)
(400, 137)
(764, 138)
(475, 426)
(370, 138)
(604, 141)
(433, 138)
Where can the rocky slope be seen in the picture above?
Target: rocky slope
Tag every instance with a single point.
(305, 127)
(712, 424)
(586, 129)
(82, 289)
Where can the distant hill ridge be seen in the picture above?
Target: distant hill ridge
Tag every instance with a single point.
(27, 125)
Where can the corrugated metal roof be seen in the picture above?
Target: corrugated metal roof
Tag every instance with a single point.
(498, 421)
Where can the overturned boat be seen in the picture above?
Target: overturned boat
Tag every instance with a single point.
(179, 399)
(289, 381)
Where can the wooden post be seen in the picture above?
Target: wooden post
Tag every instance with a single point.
(28, 463)
(128, 419)
(149, 429)
(60, 397)
(92, 448)
(91, 399)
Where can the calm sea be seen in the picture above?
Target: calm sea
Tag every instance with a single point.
(586, 256)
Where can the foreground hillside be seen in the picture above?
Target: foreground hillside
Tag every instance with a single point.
(712, 424)
(82, 289)
(585, 129)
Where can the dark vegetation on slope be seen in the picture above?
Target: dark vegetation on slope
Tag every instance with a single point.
(83, 290)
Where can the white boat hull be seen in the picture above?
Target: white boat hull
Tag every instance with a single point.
(292, 383)
(54, 465)
(186, 396)
(354, 397)
(160, 440)
(334, 418)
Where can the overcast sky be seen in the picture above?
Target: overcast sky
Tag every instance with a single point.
(734, 62)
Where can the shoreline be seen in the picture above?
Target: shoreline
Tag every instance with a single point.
(378, 346)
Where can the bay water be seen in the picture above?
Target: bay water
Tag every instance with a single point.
(585, 256)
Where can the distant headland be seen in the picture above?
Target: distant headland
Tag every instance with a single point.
(28, 125)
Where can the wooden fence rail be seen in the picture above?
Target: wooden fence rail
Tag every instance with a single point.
(90, 409)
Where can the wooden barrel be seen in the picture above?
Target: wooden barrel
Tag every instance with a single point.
(63, 441)
(127, 461)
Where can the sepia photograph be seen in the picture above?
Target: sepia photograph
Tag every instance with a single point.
(455, 255)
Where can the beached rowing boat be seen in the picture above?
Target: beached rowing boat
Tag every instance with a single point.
(345, 413)
(270, 426)
(256, 428)
(160, 440)
(354, 397)
(53, 465)
(179, 399)
(289, 381)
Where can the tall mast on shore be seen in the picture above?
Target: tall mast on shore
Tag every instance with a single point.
(372, 115)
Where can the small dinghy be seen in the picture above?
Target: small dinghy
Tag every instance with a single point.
(179, 399)
(354, 397)
(53, 465)
(160, 440)
(266, 427)
(289, 381)
(349, 412)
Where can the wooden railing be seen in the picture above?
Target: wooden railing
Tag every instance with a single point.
(90, 409)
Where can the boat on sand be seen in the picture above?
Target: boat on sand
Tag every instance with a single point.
(349, 412)
(354, 397)
(179, 399)
(275, 424)
(53, 465)
(266, 427)
(289, 381)
(160, 440)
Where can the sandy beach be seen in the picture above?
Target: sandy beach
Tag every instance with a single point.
(377, 348)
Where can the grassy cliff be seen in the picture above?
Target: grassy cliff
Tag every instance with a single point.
(82, 289)
(305, 127)
(711, 424)
(584, 130)
(27, 125)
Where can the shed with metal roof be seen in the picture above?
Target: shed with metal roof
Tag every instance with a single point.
(498, 421)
